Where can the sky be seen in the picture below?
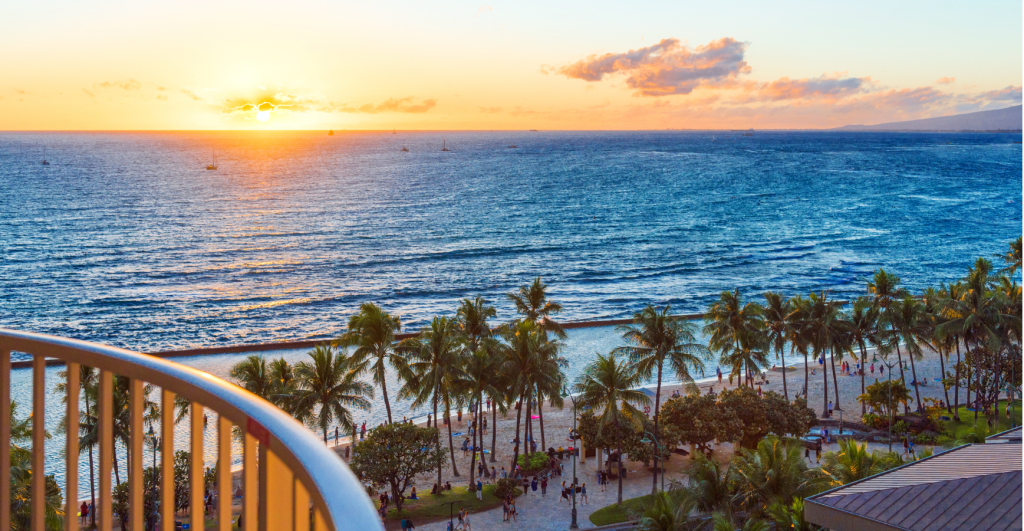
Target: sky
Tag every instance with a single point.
(489, 64)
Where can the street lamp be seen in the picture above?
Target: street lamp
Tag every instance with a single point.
(657, 448)
(889, 376)
(451, 508)
(575, 448)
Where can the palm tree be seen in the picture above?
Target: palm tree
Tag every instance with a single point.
(824, 331)
(863, 329)
(529, 361)
(777, 329)
(666, 511)
(798, 338)
(481, 368)
(657, 337)
(21, 479)
(435, 371)
(254, 375)
(709, 486)
(774, 472)
(532, 302)
(327, 387)
(609, 385)
(884, 291)
(472, 317)
(934, 300)
(910, 326)
(852, 462)
(750, 354)
(372, 332)
(729, 319)
(88, 377)
(1012, 257)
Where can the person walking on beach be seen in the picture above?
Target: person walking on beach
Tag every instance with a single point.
(335, 436)
(84, 513)
(830, 409)
(494, 475)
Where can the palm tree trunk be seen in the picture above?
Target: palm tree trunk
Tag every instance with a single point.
(438, 445)
(519, 420)
(913, 374)
(824, 396)
(528, 435)
(92, 479)
(863, 363)
(387, 403)
(977, 384)
(807, 376)
(657, 404)
(899, 358)
(618, 437)
(785, 390)
(117, 473)
(472, 460)
(835, 381)
(494, 429)
(956, 390)
(540, 413)
(945, 390)
(451, 445)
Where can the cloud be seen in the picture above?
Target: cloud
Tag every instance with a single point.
(827, 87)
(403, 105)
(1010, 94)
(193, 95)
(161, 97)
(489, 110)
(131, 84)
(945, 81)
(483, 9)
(88, 93)
(161, 89)
(667, 67)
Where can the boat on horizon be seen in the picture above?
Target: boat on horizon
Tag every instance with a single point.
(330, 133)
(213, 166)
(513, 146)
(45, 162)
(405, 149)
(444, 145)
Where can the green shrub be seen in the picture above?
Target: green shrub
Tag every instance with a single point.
(505, 488)
(538, 461)
(899, 427)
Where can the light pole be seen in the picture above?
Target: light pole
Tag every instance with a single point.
(657, 448)
(451, 507)
(575, 448)
(889, 376)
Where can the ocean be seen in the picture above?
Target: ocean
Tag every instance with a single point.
(126, 239)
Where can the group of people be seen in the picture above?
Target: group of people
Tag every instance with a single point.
(508, 509)
(567, 492)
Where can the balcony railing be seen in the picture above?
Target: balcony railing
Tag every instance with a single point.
(290, 480)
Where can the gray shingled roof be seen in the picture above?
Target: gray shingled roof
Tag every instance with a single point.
(1013, 435)
(975, 487)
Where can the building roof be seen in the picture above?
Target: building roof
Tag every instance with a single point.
(1012, 435)
(974, 487)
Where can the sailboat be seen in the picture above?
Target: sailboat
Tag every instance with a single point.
(45, 162)
(444, 146)
(405, 149)
(394, 131)
(330, 133)
(214, 165)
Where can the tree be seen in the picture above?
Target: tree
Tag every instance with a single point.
(709, 487)
(699, 419)
(774, 472)
(532, 302)
(482, 364)
(435, 371)
(791, 516)
(749, 356)
(878, 396)
(21, 480)
(87, 379)
(609, 385)
(655, 338)
(728, 320)
(852, 462)
(863, 330)
(666, 511)
(1012, 257)
(394, 454)
(770, 414)
(909, 325)
(777, 329)
(825, 331)
(372, 333)
(884, 291)
(327, 387)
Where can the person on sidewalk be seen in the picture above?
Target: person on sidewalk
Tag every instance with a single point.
(583, 493)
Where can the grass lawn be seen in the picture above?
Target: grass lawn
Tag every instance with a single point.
(967, 419)
(432, 508)
(615, 513)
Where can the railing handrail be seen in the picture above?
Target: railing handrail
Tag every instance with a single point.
(310, 460)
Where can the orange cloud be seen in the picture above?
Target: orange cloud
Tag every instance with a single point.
(945, 81)
(404, 105)
(131, 84)
(667, 67)
(826, 87)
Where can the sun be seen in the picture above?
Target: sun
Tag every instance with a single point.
(262, 115)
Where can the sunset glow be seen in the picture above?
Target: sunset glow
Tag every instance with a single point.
(501, 66)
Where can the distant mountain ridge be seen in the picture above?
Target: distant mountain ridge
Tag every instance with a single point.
(1008, 119)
